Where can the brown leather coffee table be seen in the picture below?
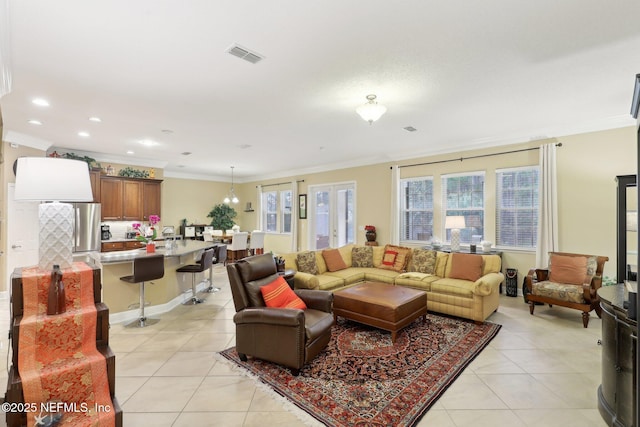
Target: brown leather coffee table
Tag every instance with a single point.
(380, 305)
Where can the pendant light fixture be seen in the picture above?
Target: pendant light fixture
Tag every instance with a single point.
(371, 111)
(231, 197)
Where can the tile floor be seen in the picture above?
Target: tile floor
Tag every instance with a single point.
(539, 371)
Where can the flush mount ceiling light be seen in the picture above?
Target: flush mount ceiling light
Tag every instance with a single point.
(231, 197)
(40, 102)
(95, 119)
(371, 111)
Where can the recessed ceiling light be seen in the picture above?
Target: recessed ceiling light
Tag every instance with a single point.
(41, 102)
(244, 146)
(186, 153)
(410, 129)
(34, 122)
(167, 131)
(180, 166)
(84, 134)
(147, 142)
(130, 152)
(95, 119)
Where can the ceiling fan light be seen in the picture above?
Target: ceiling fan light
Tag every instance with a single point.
(227, 200)
(371, 111)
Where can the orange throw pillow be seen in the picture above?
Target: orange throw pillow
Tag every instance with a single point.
(278, 294)
(466, 266)
(570, 270)
(333, 259)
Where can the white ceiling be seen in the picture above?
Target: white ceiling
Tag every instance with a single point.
(465, 74)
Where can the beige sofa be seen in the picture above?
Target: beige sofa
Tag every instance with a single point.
(474, 300)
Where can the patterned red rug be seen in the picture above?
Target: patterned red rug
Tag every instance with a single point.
(362, 379)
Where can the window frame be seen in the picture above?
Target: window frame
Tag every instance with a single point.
(535, 208)
(404, 210)
(445, 207)
(280, 210)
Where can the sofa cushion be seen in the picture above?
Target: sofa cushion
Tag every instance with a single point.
(278, 294)
(328, 281)
(307, 262)
(423, 261)
(380, 275)
(491, 264)
(559, 291)
(466, 266)
(415, 280)
(378, 253)
(362, 256)
(570, 270)
(333, 259)
(442, 262)
(345, 253)
(454, 287)
(349, 275)
(395, 258)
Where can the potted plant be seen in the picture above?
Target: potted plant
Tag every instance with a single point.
(222, 216)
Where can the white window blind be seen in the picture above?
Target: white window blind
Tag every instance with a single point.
(517, 207)
(416, 209)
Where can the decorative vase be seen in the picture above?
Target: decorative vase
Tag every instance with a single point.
(371, 236)
(151, 248)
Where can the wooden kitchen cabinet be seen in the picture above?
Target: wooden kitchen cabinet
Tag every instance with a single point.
(111, 198)
(129, 199)
(94, 177)
(132, 197)
(152, 192)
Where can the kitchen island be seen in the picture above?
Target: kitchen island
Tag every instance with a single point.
(161, 295)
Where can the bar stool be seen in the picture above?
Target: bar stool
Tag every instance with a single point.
(207, 261)
(211, 288)
(145, 268)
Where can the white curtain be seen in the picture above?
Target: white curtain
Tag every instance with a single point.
(294, 216)
(394, 226)
(548, 206)
(5, 49)
(259, 208)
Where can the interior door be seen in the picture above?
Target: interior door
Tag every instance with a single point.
(332, 213)
(22, 233)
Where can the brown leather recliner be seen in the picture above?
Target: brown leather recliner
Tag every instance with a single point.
(289, 337)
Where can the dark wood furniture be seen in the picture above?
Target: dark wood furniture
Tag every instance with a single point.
(589, 288)
(129, 199)
(14, 393)
(617, 394)
(380, 305)
(622, 250)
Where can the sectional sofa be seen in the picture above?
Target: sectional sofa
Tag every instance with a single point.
(462, 285)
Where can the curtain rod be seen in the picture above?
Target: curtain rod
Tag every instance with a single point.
(279, 183)
(559, 144)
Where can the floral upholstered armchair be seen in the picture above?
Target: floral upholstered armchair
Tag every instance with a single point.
(571, 280)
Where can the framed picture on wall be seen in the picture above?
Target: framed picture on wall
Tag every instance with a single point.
(302, 206)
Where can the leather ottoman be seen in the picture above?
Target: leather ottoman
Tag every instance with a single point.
(380, 305)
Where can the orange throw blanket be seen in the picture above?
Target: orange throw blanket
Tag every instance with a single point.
(57, 356)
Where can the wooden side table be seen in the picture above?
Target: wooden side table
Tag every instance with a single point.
(371, 243)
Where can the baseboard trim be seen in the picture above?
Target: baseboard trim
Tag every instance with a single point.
(152, 310)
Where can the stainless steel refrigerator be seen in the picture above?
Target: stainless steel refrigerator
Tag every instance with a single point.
(86, 235)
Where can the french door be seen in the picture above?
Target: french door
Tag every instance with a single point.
(332, 215)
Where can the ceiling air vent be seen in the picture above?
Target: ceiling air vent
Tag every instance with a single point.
(244, 53)
(410, 129)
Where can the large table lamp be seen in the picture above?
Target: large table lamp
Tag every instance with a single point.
(455, 223)
(53, 180)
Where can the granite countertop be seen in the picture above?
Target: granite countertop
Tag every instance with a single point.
(183, 247)
(116, 240)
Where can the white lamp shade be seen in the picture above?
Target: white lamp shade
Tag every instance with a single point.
(371, 111)
(52, 179)
(456, 222)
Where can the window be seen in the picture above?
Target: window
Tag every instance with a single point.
(276, 211)
(463, 195)
(416, 209)
(517, 207)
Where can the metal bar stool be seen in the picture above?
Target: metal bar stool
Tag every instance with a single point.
(211, 289)
(145, 268)
(206, 263)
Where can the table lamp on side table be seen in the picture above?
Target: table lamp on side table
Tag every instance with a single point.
(455, 223)
(55, 180)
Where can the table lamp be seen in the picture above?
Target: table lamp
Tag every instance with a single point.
(54, 180)
(455, 223)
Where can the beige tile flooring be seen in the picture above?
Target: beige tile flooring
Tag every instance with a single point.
(540, 370)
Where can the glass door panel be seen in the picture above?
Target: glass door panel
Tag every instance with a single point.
(332, 216)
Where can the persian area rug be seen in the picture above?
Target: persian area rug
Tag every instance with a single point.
(362, 379)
